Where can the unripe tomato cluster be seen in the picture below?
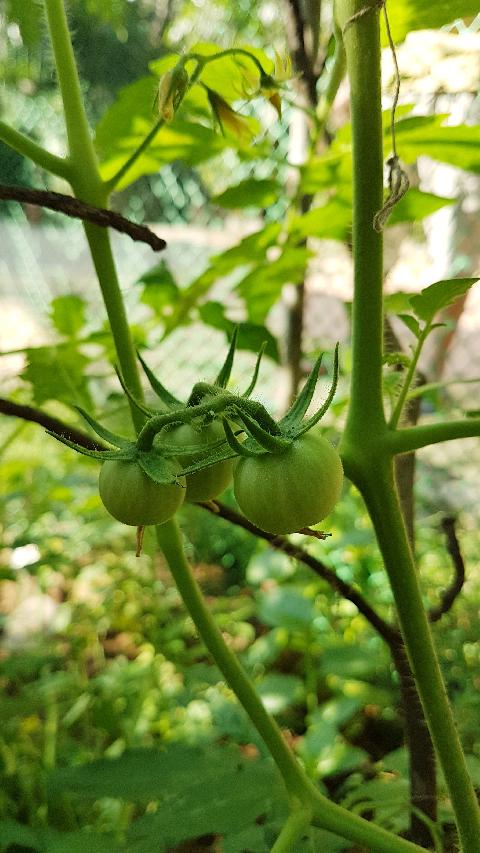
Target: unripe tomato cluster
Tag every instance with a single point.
(278, 492)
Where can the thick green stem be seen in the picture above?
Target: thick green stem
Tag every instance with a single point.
(170, 541)
(326, 814)
(379, 492)
(87, 185)
(368, 445)
(28, 148)
(101, 251)
(82, 152)
(362, 46)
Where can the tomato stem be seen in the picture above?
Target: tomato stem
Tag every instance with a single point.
(368, 444)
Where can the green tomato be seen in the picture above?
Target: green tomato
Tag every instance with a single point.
(209, 482)
(133, 498)
(283, 492)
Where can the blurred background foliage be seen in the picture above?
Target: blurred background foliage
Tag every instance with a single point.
(98, 659)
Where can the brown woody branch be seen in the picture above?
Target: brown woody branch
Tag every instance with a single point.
(302, 60)
(80, 210)
(451, 593)
(28, 413)
(281, 543)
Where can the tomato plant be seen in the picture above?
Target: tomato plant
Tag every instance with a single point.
(283, 492)
(212, 481)
(133, 498)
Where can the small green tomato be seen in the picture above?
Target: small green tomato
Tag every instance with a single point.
(208, 483)
(283, 492)
(133, 498)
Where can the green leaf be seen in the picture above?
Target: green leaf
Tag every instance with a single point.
(287, 608)
(249, 193)
(439, 295)
(218, 800)
(81, 841)
(330, 222)
(131, 117)
(279, 692)
(251, 249)
(398, 302)
(416, 205)
(68, 314)
(28, 14)
(425, 135)
(160, 291)
(251, 336)
(262, 287)
(407, 15)
(57, 373)
(411, 323)
(17, 834)
(200, 791)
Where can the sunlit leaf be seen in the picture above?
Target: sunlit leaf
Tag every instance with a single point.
(439, 295)
(249, 193)
(407, 15)
(68, 314)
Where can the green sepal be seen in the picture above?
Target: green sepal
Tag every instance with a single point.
(210, 459)
(250, 388)
(224, 375)
(169, 450)
(163, 393)
(300, 405)
(307, 425)
(238, 448)
(141, 407)
(103, 432)
(125, 453)
(156, 467)
(272, 443)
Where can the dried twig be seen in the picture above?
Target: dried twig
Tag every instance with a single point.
(80, 210)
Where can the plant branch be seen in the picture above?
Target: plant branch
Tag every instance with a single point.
(397, 412)
(80, 210)
(295, 826)
(112, 182)
(302, 791)
(29, 413)
(25, 146)
(302, 59)
(451, 593)
(414, 438)
(281, 543)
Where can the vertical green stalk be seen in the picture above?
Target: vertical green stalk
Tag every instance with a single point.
(380, 495)
(368, 461)
(362, 45)
(88, 186)
(80, 142)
